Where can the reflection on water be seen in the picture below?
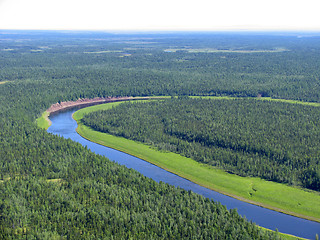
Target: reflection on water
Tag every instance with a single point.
(64, 125)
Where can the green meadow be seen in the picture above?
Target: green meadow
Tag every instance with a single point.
(276, 196)
(44, 121)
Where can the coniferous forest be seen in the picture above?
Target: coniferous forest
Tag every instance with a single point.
(53, 188)
(272, 140)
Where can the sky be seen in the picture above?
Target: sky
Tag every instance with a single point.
(170, 15)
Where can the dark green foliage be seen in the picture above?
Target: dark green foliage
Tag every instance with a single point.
(108, 201)
(55, 188)
(272, 140)
(79, 67)
(99, 199)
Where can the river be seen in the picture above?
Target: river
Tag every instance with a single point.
(64, 125)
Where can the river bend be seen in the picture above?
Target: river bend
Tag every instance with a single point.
(64, 125)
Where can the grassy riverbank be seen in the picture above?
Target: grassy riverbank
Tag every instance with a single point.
(314, 104)
(290, 200)
(44, 121)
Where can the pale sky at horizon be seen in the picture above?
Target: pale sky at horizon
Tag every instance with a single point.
(202, 15)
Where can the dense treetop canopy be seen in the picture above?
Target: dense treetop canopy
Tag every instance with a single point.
(272, 140)
(54, 188)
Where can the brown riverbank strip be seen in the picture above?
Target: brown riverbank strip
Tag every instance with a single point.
(85, 102)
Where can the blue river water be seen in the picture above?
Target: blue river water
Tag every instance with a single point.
(64, 125)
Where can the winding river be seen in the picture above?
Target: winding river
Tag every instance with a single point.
(64, 125)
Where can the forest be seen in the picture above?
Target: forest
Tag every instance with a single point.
(53, 188)
(271, 140)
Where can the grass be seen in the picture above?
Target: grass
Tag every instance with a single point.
(314, 104)
(108, 51)
(3, 82)
(213, 50)
(55, 180)
(44, 121)
(276, 196)
(58, 181)
(284, 235)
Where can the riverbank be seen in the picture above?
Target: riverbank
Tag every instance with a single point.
(275, 196)
(65, 126)
(44, 121)
(84, 102)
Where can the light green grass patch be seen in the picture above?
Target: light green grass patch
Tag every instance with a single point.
(55, 180)
(214, 50)
(3, 82)
(44, 121)
(125, 55)
(107, 51)
(58, 181)
(78, 115)
(215, 97)
(276, 196)
(314, 104)
(284, 235)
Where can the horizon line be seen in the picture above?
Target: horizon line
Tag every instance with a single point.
(171, 30)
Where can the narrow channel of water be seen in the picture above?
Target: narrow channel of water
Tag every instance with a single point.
(64, 125)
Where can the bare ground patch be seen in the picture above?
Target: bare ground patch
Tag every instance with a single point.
(87, 102)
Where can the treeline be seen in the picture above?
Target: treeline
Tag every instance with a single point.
(272, 140)
(53, 188)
